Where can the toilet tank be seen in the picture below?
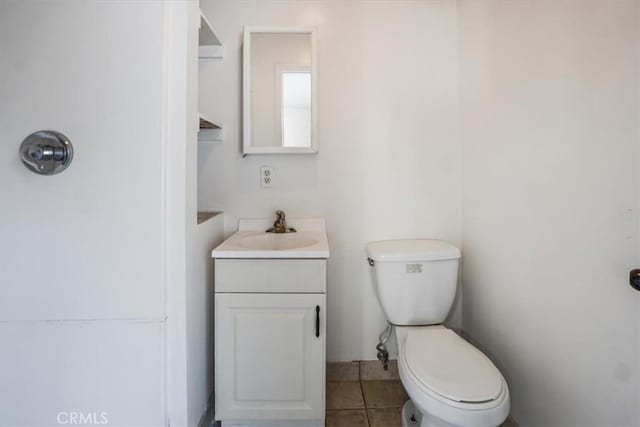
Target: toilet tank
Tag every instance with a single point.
(415, 279)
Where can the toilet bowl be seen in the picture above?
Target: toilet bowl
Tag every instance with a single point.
(449, 381)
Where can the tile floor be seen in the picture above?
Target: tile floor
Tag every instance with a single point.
(363, 394)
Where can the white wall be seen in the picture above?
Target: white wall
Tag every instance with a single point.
(388, 165)
(200, 330)
(105, 278)
(550, 184)
(82, 301)
(189, 264)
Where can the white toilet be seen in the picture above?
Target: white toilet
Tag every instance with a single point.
(449, 381)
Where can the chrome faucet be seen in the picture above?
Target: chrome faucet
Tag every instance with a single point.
(280, 226)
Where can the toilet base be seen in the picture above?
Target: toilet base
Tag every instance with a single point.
(411, 417)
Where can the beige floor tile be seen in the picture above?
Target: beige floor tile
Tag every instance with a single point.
(384, 394)
(385, 417)
(373, 370)
(344, 395)
(343, 371)
(352, 418)
(509, 423)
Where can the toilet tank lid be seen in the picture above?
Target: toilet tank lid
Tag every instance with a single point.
(412, 250)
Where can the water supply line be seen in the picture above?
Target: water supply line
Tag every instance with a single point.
(383, 353)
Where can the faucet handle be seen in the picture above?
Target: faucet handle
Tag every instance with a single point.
(280, 225)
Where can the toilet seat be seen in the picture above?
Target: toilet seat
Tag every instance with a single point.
(451, 367)
(433, 393)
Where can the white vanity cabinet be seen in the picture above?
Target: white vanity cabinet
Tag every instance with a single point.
(270, 342)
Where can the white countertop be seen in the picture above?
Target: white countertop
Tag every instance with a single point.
(251, 240)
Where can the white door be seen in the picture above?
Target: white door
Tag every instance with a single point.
(270, 356)
(81, 292)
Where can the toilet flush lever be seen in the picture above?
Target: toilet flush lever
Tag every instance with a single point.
(634, 279)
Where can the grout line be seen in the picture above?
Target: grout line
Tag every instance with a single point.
(368, 422)
(364, 400)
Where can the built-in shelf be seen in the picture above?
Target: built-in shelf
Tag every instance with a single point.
(204, 216)
(210, 44)
(210, 130)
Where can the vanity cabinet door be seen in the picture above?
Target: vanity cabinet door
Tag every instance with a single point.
(270, 356)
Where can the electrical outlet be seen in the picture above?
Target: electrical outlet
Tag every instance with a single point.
(266, 176)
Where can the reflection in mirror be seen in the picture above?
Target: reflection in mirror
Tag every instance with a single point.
(279, 91)
(296, 108)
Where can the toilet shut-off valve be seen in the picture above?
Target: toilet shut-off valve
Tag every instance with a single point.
(383, 353)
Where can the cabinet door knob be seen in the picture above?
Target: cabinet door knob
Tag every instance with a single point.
(317, 321)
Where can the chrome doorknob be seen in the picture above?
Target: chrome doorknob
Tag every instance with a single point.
(634, 279)
(46, 152)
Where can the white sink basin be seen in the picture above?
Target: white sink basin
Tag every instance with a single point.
(276, 242)
(251, 241)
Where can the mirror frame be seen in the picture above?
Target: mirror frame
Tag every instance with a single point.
(247, 148)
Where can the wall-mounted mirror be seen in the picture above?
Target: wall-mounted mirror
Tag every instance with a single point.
(279, 91)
